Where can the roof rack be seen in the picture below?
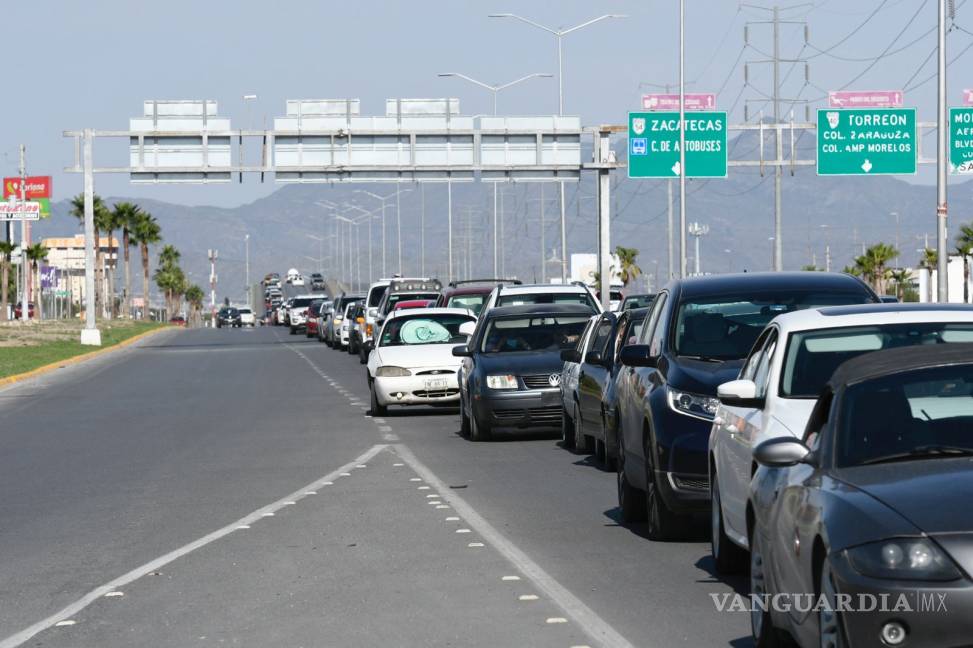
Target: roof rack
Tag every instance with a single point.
(454, 284)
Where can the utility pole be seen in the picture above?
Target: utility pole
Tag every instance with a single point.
(682, 138)
(503, 264)
(422, 230)
(449, 228)
(776, 100)
(211, 255)
(697, 231)
(24, 242)
(246, 241)
(90, 335)
(941, 153)
(543, 261)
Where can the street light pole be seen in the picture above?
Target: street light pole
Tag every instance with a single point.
(941, 153)
(246, 240)
(559, 34)
(495, 89)
(682, 139)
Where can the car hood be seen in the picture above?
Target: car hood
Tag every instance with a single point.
(701, 377)
(521, 363)
(933, 494)
(418, 355)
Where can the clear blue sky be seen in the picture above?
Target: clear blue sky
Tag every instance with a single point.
(91, 63)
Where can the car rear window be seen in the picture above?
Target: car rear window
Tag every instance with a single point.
(375, 295)
(581, 297)
(534, 333)
(470, 302)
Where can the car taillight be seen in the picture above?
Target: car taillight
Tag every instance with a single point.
(368, 329)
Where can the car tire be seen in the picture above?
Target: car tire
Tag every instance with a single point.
(567, 428)
(352, 350)
(765, 634)
(377, 409)
(362, 356)
(293, 330)
(601, 452)
(582, 442)
(662, 523)
(308, 334)
(631, 500)
(478, 432)
(728, 557)
(464, 420)
(830, 629)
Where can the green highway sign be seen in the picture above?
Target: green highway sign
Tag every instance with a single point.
(653, 144)
(961, 141)
(866, 141)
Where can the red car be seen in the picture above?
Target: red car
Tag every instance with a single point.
(413, 303)
(177, 320)
(30, 311)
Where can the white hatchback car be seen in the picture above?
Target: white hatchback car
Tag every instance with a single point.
(779, 383)
(412, 362)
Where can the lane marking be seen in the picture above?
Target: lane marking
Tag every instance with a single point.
(66, 622)
(528, 597)
(112, 594)
(475, 544)
(510, 578)
(588, 620)
(463, 531)
(557, 620)
(63, 617)
(452, 519)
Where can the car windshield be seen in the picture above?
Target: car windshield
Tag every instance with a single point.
(533, 333)
(580, 297)
(414, 330)
(396, 298)
(725, 327)
(472, 303)
(301, 302)
(812, 356)
(245, 311)
(919, 414)
(637, 301)
(375, 295)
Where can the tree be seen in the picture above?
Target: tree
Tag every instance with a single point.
(35, 254)
(6, 250)
(126, 216)
(102, 218)
(170, 277)
(811, 268)
(929, 261)
(195, 297)
(872, 265)
(145, 232)
(964, 247)
(902, 278)
(629, 270)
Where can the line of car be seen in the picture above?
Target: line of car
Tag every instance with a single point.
(825, 435)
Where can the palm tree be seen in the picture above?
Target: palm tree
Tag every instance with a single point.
(901, 277)
(102, 218)
(873, 264)
(35, 254)
(964, 247)
(629, 270)
(126, 216)
(6, 250)
(195, 296)
(145, 232)
(929, 261)
(169, 276)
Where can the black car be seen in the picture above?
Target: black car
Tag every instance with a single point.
(695, 338)
(511, 370)
(357, 315)
(228, 316)
(872, 506)
(593, 417)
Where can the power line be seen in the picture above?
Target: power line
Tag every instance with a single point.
(851, 33)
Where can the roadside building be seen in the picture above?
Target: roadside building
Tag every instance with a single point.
(67, 255)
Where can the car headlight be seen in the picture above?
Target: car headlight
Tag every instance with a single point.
(392, 372)
(903, 558)
(693, 404)
(502, 382)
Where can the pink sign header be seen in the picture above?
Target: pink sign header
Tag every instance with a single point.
(694, 101)
(861, 99)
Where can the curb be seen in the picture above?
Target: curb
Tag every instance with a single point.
(16, 378)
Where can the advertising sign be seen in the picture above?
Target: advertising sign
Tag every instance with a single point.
(38, 189)
(20, 211)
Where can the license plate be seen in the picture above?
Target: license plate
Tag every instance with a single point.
(550, 398)
(435, 383)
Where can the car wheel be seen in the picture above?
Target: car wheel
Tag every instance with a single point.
(308, 334)
(631, 500)
(362, 356)
(352, 350)
(601, 452)
(829, 619)
(765, 635)
(582, 442)
(293, 330)
(567, 428)
(663, 524)
(727, 555)
(377, 408)
(478, 432)
(464, 420)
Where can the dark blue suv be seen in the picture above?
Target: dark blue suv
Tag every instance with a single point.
(695, 338)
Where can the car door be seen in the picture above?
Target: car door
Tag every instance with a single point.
(591, 376)
(739, 426)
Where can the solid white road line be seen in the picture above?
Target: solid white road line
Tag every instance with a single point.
(589, 621)
(62, 617)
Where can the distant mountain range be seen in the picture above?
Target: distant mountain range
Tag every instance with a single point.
(843, 212)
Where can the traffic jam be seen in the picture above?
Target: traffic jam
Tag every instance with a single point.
(821, 433)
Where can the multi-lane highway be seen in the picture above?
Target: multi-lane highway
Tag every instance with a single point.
(228, 487)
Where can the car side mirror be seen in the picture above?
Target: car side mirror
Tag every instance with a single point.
(467, 328)
(781, 452)
(594, 358)
(570, 355)
(461, 351)
(372, 312)
(740, 393)
(637, 355)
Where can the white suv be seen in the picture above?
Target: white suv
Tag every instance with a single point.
(779, 383)
(515, 295)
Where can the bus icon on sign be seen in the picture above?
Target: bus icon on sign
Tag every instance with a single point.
(639, 146)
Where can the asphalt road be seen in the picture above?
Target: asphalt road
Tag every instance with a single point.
(227, 486)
